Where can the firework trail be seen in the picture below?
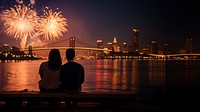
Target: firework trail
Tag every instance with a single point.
(52, 25)
(20, 22)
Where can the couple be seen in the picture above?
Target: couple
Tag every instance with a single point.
(56, 77)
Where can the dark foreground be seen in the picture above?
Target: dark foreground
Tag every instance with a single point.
(139, 106)
(95, 107)
(174, 101)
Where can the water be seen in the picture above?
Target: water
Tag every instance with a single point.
(139, 76)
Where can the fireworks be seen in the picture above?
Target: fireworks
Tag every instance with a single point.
(52, 25)
(22, 22)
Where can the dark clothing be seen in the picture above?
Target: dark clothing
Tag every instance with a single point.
(43, 90)
(72, 76)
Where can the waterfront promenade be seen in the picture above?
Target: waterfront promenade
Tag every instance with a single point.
(176, 99)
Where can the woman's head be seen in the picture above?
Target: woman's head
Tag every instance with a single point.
(54, 61)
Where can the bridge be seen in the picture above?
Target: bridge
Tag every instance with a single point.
(183, 55)
(72, 43)
(103, 53)
(175, 55)
(64, 48)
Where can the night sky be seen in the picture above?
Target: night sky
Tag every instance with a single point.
(163, 21)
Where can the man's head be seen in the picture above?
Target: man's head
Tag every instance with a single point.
(70, 54)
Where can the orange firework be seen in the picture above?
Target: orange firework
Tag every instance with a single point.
(20, 22)
(52, 25)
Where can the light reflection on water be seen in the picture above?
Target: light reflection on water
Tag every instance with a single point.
(108, 75)
(19, 75)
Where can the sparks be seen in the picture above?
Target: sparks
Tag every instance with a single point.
(52, 25)
(20, 22)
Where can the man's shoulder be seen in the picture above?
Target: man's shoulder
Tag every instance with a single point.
(78, 64)
(71, 64)
(66, 64)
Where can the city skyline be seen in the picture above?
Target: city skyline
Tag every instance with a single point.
(168, 21)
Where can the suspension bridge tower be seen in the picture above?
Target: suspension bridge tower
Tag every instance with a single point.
(30, 50)
(72, 42)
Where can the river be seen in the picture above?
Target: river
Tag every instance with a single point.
(139, 76)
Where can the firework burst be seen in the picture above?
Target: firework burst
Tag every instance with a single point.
(52, 25)
(20, 22)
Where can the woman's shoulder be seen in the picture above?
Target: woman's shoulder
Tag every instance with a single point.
(44, 63)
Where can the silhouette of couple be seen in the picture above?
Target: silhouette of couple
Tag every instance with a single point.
(56, 77)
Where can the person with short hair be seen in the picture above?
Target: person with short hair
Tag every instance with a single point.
(72, 73)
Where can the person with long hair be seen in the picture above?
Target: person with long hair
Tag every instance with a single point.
(50, 72)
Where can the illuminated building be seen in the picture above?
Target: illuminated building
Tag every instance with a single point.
(125, 47)
(189, 45)
(109, 44)
(153, 48)
(136, 41)
(11, 53)
(100, 44)
(16, 49)
(145, 50)
(6, 48)
(118, 49)
(130, 48)
(115, 45)
(167, 49)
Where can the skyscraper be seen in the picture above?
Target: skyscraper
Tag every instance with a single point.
(153, 48)
(125, 47)
(115, 45)
(100, 44)
(135, 41)
(189, 45)
(109, 44)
